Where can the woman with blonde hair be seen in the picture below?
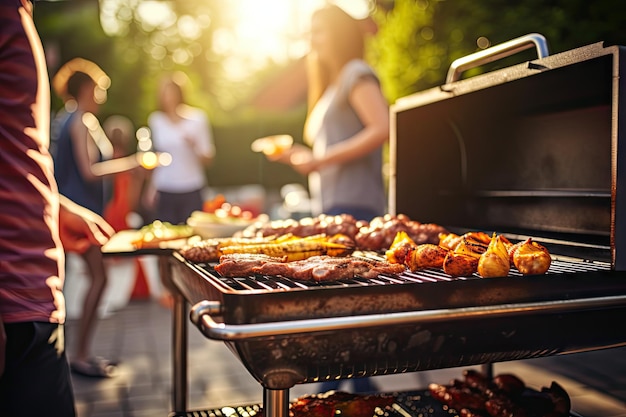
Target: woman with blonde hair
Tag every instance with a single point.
(347, 122)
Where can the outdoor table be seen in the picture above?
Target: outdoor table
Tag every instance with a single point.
(120, 244)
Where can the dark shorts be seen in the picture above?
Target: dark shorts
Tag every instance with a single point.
(175, 208)
(36, 379)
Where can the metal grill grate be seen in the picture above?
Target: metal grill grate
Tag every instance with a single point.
(280, 283)
(407, 404)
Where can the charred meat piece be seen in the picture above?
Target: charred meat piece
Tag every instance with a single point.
(503, 396)
(339, 403)
(316, 268)
(379, 234)
(203, 251)
(243, 264)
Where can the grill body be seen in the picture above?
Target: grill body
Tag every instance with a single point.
(534, 149)
(465, 321)
(529, 150)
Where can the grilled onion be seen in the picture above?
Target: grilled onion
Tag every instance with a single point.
(495, 261)
(531, 258)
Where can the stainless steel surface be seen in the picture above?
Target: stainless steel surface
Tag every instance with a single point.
(179, 354)
(276, 402)
(201, 317)
(498, 52)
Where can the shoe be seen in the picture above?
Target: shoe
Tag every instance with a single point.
(94, 367)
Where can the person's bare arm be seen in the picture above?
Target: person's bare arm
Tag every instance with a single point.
(372, 108)
(370, 105)
(86, 155)
(84, 149)
(81, 228)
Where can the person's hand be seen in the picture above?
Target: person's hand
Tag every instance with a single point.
(302, 160)
(81, 228)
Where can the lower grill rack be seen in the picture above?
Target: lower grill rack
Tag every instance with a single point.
(407, 404)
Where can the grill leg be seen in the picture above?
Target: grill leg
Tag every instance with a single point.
(487, 370)
(179, 339)
(276, 402)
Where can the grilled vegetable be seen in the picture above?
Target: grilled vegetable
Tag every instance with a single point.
(495, 261)
(463, 260)
(471, 247)
(531, 258)
(425, 256)
(400, 248)
(294, 249)
(459, 265)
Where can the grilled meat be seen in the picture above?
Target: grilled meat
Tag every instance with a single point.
(381, 232)
(316, 268)
(202, 251)
(243, 264)
(344, 224)
(504, 396)
(339, 403)
(425, 256)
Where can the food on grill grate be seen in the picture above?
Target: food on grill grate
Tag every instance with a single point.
(427, 255)
(503, 396)
(209, 250)
(335, 403)
(316, 268)
(470, 253)
(153, 234)
(375, 235)
(381, 232)
(463, 260)
(297, 248)
(495, 261)
(287, 247)
(243, 264)
(344, 224)
(530, 257)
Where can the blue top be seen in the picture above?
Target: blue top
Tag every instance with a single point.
(89, 194)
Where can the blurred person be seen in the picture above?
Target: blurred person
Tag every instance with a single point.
(346, 126)
(82, 162)
(185, 133)
(347, 122)
(177, 190)
(34, 221)
(121, 212)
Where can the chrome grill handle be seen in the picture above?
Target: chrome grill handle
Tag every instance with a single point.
(496, 52)
(201, 316)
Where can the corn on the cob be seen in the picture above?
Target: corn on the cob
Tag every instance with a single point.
(293, 249)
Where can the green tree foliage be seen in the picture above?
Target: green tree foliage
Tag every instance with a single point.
(419, 39)
(412, 51)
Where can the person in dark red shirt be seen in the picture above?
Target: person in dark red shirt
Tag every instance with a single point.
(35, 223)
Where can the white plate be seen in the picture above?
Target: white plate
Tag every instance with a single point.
(208, 229)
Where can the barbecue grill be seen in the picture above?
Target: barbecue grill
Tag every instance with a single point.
(529, 150)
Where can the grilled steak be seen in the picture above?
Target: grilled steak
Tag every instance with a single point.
(243, 264)
(316, 268)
